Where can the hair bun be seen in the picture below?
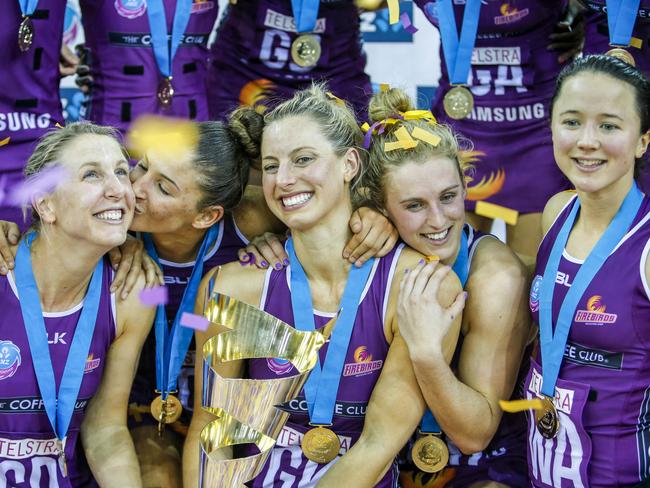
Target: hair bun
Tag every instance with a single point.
(246, 126)
(387, 103)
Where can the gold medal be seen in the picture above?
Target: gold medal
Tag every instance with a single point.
(166, 411)
(25, 34)
(430, 453)
(621, 54)
(458, 102)
(320, 445)
(63, 465)
(165, 92)
(305, 51)
(547, 420)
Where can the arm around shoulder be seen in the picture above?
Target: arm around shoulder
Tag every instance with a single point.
(107, 442)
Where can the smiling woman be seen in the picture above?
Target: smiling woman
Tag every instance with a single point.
(60, 289)
(311, 158)
(590, 295)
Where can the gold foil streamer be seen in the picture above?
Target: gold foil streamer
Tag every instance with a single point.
(246, 407)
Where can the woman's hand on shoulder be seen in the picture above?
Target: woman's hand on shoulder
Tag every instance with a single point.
(374, 236)
(128, 261)
(9, 237)
(426, 314)
(264, 250)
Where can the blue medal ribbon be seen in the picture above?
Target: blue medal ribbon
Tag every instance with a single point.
(165, 49)
(59, 407)
(305, 14)
(27, 7)
(323, 383)
(429, 423)
(458, 52)
(621, 16)
(172, 343)
(553, 344)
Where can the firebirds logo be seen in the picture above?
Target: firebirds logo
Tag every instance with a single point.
(595, 313)
(363, 363)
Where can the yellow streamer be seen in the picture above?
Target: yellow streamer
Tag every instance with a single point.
(418, 115)
(5, 141)
(514, 406)
(425, 136)
(393, 11)
(508, 215)
(636, 42)
(392, 146)
(403, 135)
(336, 99)
(168, 135)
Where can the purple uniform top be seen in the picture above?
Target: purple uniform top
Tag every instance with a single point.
(27, 442)
(124, 69)
(512, 77)
(177, 275)
(603, 391)
(29, 88)
(250, 60)
(363, 363)
(597, 42)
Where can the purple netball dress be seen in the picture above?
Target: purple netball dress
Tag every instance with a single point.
(504, 459)
(597, 42)
(29, 90)
(124, 69)
(512, 77)
(602, 394)
(177, 275)
(251, 62)
(363, 363)
(27, 443)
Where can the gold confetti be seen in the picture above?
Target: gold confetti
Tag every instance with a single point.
(173, 136)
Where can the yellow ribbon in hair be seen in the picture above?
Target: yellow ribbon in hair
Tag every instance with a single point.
(419, 115)
(514, 406)
(384, 87)
(336, 99)
(404, 141)
(425, 136)
(392, 146)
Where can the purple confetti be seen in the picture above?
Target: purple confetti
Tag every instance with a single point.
(152, 297)
(42, 183)
(406, 23)
(195, 322)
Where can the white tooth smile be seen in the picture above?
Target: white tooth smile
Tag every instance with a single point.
(296, 199)
(112, 215)
(589, 162)
(438, 236)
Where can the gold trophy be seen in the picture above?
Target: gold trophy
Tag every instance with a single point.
(246, 407)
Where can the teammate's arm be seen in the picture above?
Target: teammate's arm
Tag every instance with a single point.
(106, 439)
(496, 328)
